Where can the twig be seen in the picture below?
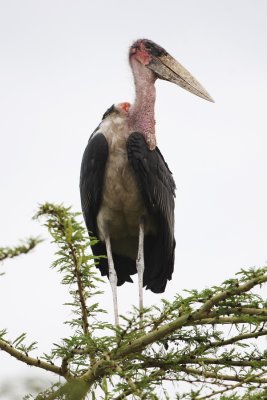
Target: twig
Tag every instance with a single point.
(32, 361)
(224, 320)
(152, 377)
(227, 389)
(80, 289)
(222, 377)
(232, 340)
(187, 319)
(151, 363)
(239, 311)
(24, 248)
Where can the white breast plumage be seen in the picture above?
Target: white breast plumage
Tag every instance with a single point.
(122, 205)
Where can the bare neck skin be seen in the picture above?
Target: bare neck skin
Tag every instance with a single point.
(142, 112)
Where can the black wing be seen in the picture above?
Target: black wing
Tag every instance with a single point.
(91, 185)
(158, 191)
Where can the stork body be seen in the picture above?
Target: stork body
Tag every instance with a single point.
(119, 175)
(127, 189)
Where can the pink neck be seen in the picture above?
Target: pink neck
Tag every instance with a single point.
(141, 114)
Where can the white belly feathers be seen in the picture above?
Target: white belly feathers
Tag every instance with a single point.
(122, 206)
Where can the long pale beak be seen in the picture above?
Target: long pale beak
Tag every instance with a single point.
(168, 69)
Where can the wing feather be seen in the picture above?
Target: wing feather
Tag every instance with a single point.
(91, 186)
(157, 188)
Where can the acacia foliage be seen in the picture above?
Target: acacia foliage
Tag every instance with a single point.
(183, 342)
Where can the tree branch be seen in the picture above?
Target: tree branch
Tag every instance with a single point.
(23, 248)
(85, 323)
(239, 311)
(32, 361)
(161, 363)
(193, 318)
(232, 340)
(228, 388)
(225, 320)
(222, 377)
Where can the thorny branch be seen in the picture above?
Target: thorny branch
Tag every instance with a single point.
(224, 377)
(231, 387)
(78, 274)
(139, 344)
(24, 248)
(63, 226)
(178, 342)
(36, 362)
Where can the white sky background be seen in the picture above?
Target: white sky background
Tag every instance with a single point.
(63, 63)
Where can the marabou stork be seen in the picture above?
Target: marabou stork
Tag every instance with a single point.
(127, 189)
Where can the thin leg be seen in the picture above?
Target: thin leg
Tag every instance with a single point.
(112, 279)
(140, 265)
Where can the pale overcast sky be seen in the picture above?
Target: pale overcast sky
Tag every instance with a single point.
(63, 63)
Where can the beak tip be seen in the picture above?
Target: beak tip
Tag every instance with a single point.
(205, 95)
(211, 99)
(167, 68)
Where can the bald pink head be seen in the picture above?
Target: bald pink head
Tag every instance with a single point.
(141, 114)
(144, 50)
